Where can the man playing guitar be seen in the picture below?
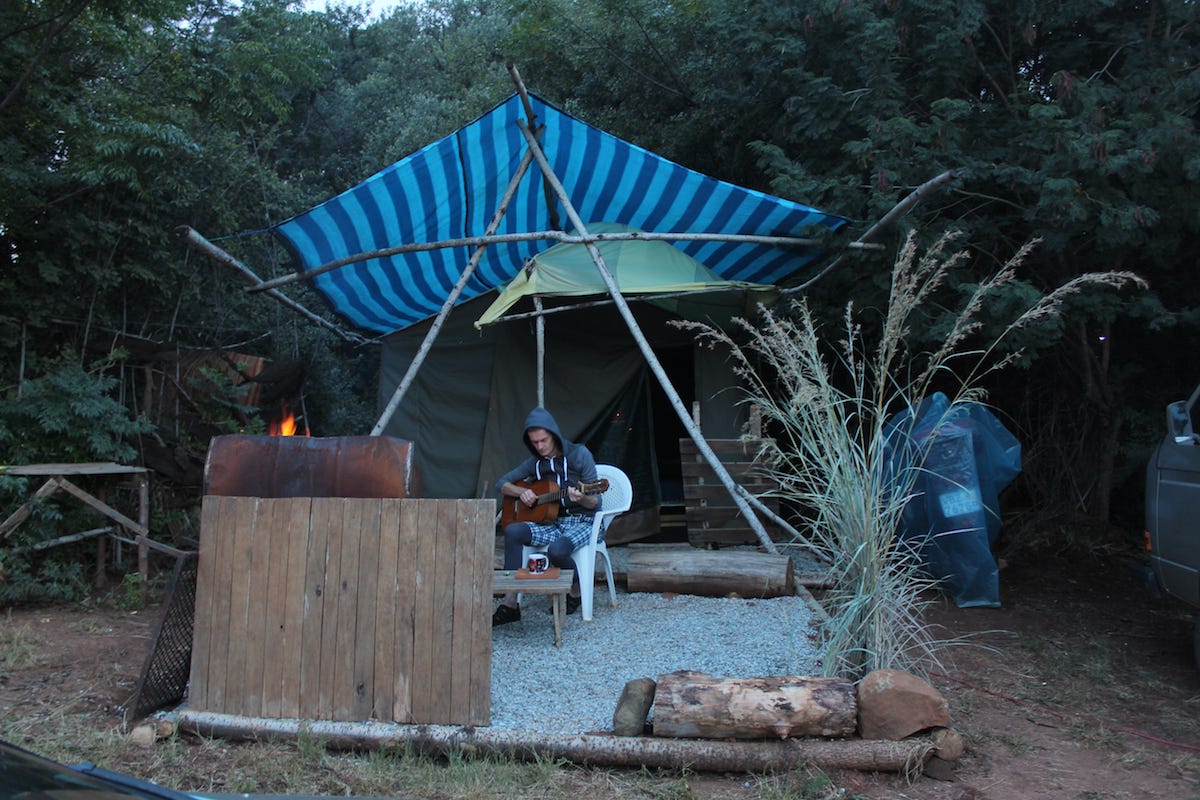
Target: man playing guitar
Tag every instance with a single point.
(552, 460)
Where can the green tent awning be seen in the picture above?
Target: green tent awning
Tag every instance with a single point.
(639, 267)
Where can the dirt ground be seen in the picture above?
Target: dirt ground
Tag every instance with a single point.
(1087, 689)
(1081, 685)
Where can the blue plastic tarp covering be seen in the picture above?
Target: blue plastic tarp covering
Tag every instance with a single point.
(964, 458)
(451, 189)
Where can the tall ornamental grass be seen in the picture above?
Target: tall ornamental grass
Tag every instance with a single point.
(834, 414)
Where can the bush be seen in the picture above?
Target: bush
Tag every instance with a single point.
(65, 416)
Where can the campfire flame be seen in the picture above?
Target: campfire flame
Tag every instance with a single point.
(286, 426)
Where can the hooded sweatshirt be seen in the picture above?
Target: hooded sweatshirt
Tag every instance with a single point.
(575, 463)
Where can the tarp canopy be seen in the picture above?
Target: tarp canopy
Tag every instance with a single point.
(638, 267)
(451, 189)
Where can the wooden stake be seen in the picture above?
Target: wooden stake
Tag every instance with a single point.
(451, 298)
(643, 345)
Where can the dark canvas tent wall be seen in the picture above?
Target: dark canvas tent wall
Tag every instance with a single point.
(466, 406)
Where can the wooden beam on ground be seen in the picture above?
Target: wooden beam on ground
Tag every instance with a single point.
(711, 573)
(872, 755)
(691, 704)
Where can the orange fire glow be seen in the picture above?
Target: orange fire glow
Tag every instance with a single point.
(285, 426)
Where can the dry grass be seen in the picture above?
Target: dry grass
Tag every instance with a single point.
(841, 410)
(305, 767)
(20, 646)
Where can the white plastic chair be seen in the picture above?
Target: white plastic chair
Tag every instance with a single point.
(615, 501)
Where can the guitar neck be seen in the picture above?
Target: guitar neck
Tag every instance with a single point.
(554, 497)
(551, 497)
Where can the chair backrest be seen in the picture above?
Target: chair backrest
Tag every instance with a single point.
(619, 495)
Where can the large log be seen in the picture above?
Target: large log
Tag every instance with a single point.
(611, 751)
(694, 705)
(711, 573)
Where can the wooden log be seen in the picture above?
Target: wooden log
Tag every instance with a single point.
(695, 705)
(614, 751)
(711, 573)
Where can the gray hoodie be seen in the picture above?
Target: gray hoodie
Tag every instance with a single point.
(574, 465)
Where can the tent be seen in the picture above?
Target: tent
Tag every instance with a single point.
(670, 277)
(449, 191)
(408, 241)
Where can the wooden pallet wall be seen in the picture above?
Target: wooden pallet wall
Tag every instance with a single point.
(713, 519)
(345, 609)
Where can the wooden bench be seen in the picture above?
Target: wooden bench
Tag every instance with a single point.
(505, 581)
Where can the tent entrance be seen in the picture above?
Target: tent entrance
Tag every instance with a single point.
(679, 363)
(668, 430)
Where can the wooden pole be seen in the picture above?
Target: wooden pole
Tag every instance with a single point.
(102, 548)
(71, 537)
(554, 236)
(873, 755)
(541, 352)
(436, 327)
(144, 520)
(771, 515)
(899, 210)
(532, 118)
(21, 363)
(647, 352)
(199, 243)
(25, 509)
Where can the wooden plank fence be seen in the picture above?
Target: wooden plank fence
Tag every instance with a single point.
(713, 518)
(345, 609)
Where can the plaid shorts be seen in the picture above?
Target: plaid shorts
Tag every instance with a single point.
(576, 527)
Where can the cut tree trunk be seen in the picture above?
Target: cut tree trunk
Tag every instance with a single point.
(711, 573)
(694, 705)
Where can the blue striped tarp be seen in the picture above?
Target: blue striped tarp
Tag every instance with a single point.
(451, 188)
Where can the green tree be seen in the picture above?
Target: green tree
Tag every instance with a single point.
(1072, 122)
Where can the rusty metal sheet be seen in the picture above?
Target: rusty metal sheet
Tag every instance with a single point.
(310, 466)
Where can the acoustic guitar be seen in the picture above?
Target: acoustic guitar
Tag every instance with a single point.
(545, 509)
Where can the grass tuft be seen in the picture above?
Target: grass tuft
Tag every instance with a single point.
(840, 412)
(20, 646)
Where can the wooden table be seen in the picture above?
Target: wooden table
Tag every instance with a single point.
(505, 581)
(57, 479)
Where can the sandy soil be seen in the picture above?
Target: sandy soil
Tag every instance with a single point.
(1081, 685)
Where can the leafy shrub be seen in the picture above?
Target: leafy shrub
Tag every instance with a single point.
(67, 415)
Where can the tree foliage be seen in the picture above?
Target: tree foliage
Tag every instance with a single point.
(1071, 122)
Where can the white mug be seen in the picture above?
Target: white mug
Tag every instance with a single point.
(538, 563)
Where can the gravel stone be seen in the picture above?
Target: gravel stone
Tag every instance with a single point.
(540, 688)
